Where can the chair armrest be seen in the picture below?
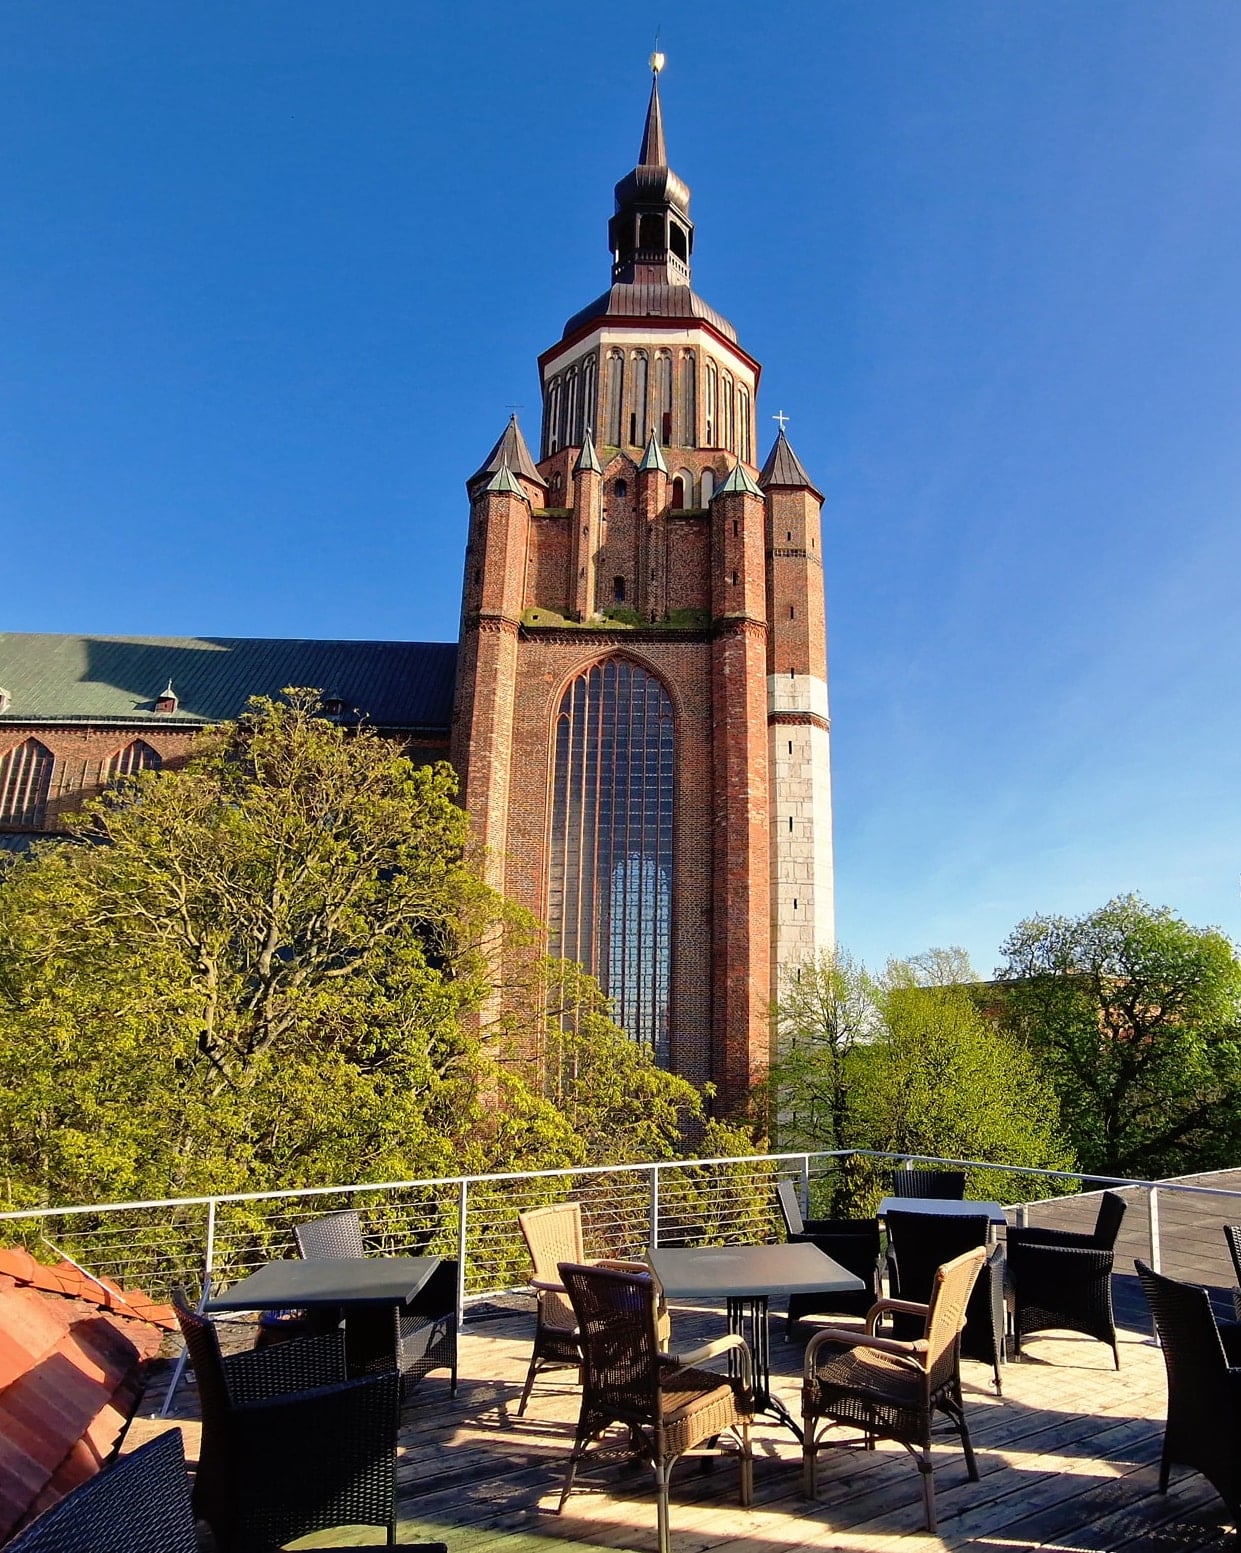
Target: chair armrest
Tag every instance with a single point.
(731, 1343)
(620, 1264)
(1067, 1261)
(904, 1307)
(547, 1285)
(854, 1339)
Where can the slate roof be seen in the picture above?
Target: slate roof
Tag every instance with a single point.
(784, 468)
(399, 685)
(511, 449)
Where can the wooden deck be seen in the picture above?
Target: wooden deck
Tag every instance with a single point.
(1068, 1460)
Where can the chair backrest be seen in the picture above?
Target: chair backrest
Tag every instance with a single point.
(790, 1209)
(1107, 1224)
(908, 1182)
(553, 1235)
(616, 1324)
(950, 1294)
(1232, 1234)
(335, 1235)
(920, 1243)
(141, 1501)
(1192, 1350)
(202, 1343)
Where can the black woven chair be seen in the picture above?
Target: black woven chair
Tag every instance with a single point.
(909, 1182)
(918, 1244)
(854, 1243)
(289, 1446)
(426, 1329)
(1062, 1281)
(1204, 1391)
(889, 1388)
(141, 1502)
(668, 1405)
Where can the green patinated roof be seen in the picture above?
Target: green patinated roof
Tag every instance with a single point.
(117, 678)
(739, 479)
(588, 458)
(504, 482)
(653, 458)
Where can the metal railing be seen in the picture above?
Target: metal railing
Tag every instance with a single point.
(213, 1240)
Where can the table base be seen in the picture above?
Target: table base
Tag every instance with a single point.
(748, 1318)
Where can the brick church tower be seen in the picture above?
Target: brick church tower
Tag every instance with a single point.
(641, 713)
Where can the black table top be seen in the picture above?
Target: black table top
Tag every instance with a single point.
(745, 1272)
(949, 1206)
(371, 1280)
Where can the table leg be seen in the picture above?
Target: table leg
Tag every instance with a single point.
(748, 1317)
(370, 1339)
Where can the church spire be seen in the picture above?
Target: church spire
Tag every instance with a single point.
(651, 235)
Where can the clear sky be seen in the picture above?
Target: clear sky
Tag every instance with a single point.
(272, 274)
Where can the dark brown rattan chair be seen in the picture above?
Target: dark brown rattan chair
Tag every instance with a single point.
(426, 1328)
(667, 1403)
(892, 1389)
(908, 1182)
(1061, 1281)
(854, 1243)
(553, 1235)
(141, 1502)
(918, 1244)
(289, 1446)
(1204, 1392)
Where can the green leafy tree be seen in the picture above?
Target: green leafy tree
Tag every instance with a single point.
(1136, 1016)
(903, 1063)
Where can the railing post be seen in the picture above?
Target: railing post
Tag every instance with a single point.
(654, 1215)
(805, 1186)
(209, 1256)
(1152, 1220)
(462, 1210)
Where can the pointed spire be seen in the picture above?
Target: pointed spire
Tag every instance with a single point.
(739, 479)
(784, 468)
(588, 458)
(654, 153)
(653, 458)
(511, 449)
(503, 482)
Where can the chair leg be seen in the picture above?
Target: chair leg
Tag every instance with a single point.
(525, 1390)
(747, 1467)
(928, 1487)
(661, 1505)
(579, 1448)
(808, 1451)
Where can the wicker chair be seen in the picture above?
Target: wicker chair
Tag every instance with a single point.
(141, 1501)
(553, 1235)
(667, 1403)
(854, 1243)
(289, 1446)
(893, 1389)
(908, 1182)
(426, 1329)
(918, 1243)
(1204, 1392)
(1062, 1281)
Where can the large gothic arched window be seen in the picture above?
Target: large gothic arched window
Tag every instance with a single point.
(25, 782)
(610, 874)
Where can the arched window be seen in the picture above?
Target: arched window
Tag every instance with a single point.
(618, 590)
(663, 395)
(551, 418)
(728, 429)
(25, 781)
(589, 422)
(571, 431)
(712, 395)
(708, 486)
(683, 489)
(610, 877)
(637, 412)
(678, 493)
(689, 401)
(743, 425)
(136, 756)
(616, 396)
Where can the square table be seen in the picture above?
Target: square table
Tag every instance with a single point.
(364, 1288)
(952, 1206)
(744, 1277)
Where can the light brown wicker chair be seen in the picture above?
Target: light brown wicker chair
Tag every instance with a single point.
(667, 1403)
(893, 1389)
(554, 1235)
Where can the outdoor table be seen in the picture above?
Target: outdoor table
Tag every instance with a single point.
(950, 1206)
(366, 1289)
(744, 1277)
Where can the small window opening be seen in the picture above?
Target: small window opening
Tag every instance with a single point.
(618, 590)
(678, 494)
(736, 528)
(790, 822)
(790, 746)
(792, 613)
(620, 489)
(789, 535)
(734, 579)
(665, 435)
(633, 429)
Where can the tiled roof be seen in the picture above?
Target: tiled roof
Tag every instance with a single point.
(656, 300)
(511, 449)
(117, 678)
(784, 468)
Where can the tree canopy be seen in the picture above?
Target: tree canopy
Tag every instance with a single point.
(1136, 1016)
(265, 970)
(906, 1063)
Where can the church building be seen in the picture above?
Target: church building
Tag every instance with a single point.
(637, 704)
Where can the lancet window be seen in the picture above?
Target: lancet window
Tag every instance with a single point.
(712, 387)
(610, 877)
(638, 412)
(616, 397)
(136, 756)
(25, 782)
(688, 437)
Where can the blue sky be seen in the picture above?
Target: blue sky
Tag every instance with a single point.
(271, 276)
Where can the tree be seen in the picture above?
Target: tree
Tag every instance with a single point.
(1136, 1016)
(903, 1064)
(264, 971)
